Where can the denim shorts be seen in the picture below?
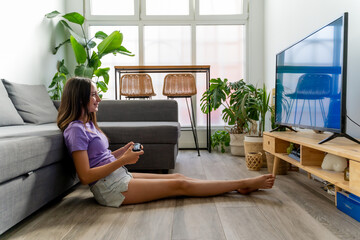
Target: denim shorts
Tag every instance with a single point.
(108, 190)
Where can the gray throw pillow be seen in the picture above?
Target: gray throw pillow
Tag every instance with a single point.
(8, 113)
(32, 102)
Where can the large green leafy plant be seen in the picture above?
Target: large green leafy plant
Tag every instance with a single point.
(255, 105)
(88, 58)
(230, 95)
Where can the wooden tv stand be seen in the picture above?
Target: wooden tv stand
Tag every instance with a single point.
(312, 155)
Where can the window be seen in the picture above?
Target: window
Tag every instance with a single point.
(222, 47)
(220, 7)
(112, 7)
(166, 7)
(182, 32)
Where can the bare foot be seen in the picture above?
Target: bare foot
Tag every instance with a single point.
(246, 191)
(261, 182)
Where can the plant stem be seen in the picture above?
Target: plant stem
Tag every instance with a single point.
(86, 44)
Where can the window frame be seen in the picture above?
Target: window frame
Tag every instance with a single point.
(89, 16)
(140, 13)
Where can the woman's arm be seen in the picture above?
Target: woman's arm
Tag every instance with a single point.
(88, 175)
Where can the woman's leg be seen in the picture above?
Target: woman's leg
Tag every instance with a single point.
(161, 176)
(144, 190)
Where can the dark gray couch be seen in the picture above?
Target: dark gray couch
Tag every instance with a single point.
(153, 123)
(36, 168)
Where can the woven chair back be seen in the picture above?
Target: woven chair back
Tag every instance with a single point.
(136, 85)
(179, 85)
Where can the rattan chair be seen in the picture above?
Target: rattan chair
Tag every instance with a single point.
(136, 86)
(182, 86)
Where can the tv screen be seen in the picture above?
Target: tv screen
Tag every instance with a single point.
(311, 80)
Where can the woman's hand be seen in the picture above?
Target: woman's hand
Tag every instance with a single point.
(131, 157)
(119, 152)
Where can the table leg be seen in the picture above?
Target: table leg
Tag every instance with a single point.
(337, 189)
(276, 165)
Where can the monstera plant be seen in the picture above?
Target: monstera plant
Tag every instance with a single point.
(88, 58)
(230, 96)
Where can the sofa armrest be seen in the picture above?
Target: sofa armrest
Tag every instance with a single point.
(138, 111)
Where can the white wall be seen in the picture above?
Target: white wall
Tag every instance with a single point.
(288, 21)
(27, 39)
(255, 50)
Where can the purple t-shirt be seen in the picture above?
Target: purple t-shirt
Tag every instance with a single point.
(77, 137)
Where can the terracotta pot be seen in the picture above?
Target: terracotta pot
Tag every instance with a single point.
(237, 144)
(255, 144)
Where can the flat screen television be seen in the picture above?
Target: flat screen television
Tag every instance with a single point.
(311, 81)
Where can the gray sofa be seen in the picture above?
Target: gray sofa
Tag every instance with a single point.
(153, 123)
(35, 167)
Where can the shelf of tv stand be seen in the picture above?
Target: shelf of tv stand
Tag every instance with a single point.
(312, 155)
(336, 178)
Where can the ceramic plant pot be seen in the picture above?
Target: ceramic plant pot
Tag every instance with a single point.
(237, 144)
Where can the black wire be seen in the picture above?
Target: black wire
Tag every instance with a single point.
(352, 120)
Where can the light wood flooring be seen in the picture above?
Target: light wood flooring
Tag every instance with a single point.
(296, 208)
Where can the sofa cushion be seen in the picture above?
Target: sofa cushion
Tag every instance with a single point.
(29, 147)
(8, 113)
(143, 132)
(157, 110)
(32, 102)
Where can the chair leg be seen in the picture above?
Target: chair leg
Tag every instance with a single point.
(193, 125)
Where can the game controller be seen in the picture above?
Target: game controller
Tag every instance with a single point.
(137, 147)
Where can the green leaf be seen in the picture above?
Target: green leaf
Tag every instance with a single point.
(81, 40)
(74, 17)
(91, 44)
(95, 62)
(83, 71)
(66, 25)
(101, 35)
(110, 43)
(61, 44)
(53, 82)
(102, 86)
(124, 51)
(60, 78)
(79, 51)
(104, 72)
(62, 68)
(52, 14)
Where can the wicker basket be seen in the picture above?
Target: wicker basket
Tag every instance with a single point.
(254, 161)
(282, 167)
(255, 144)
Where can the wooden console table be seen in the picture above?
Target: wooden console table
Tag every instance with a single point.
(312, 155)
(169, 69)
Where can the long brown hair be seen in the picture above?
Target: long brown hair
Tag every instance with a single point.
(75, 100)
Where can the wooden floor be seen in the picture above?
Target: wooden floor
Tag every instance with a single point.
(296, 208)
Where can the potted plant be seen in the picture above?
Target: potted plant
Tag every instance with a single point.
(220, 138)
(88, 60)
(229, 95)
(255, 105)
